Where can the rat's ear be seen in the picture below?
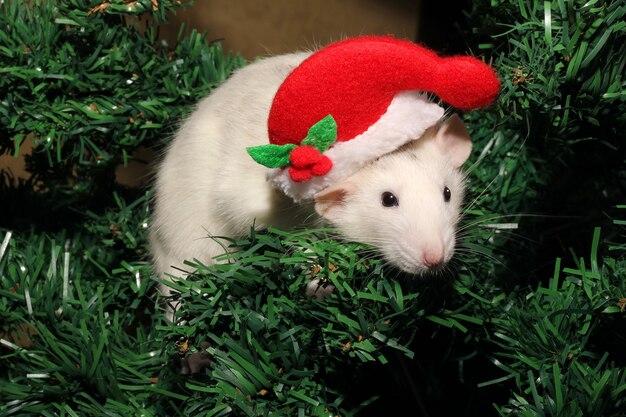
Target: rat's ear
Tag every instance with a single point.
(333, 197)
(452, 139)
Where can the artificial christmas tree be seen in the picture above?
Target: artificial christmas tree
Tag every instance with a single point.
(530, 321)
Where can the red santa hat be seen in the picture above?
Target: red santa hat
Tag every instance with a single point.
(358, 99)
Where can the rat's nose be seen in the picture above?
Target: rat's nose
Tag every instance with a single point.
(432, 258)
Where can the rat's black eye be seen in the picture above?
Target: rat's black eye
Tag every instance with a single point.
(446, 194)
(389, 199)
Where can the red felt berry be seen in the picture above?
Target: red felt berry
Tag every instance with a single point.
(300, 174)
(322, 167)
(304, 156)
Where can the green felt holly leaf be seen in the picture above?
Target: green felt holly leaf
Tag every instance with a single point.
(322, 134)
(271, 156)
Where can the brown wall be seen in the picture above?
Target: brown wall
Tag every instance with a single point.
(268, 27)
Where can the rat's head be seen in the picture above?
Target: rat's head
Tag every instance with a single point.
(406, 203)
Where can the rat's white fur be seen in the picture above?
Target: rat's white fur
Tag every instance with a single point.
(208, 185)
(421, 228)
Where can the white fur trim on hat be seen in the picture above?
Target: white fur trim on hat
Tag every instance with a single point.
(406, 119)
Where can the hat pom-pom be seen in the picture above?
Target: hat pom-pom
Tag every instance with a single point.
(466, 82)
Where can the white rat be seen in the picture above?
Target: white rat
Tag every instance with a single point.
(406, 203)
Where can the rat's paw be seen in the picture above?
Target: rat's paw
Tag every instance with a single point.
(314, 289)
